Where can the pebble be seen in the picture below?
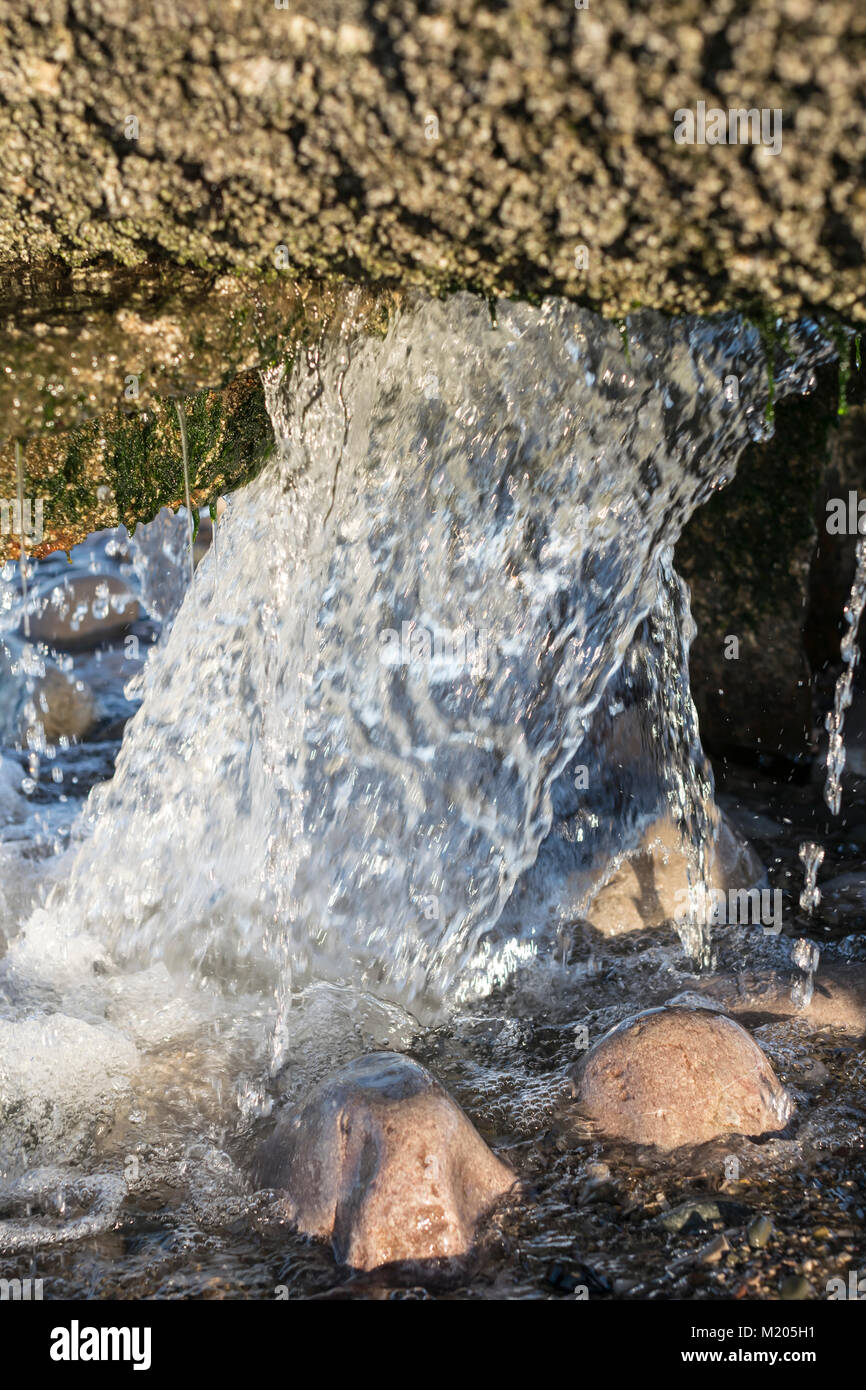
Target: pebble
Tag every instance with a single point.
(759, 1232)
(794, 1289)
(702, 1212)
(713, 1252)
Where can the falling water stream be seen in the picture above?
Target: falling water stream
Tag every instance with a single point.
(181, 418)
(458, 488)
(842, 695)
(19, 483)
(806, 956)
(330, 819)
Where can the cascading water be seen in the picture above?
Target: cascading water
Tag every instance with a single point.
(365, 815)
(160, 564)
(353, 740)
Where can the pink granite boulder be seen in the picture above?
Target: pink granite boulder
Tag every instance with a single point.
(679, 1075)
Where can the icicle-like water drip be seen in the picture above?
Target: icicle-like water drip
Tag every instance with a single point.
(684, 771)
(812, 856)
(344, 759)
(835, 721)
(181, 416)
(214, 521)
(806, 956)
(22, 552)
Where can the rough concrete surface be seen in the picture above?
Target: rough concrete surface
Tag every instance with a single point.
(479, 144)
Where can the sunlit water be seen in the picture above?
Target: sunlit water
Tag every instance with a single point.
(330, 822)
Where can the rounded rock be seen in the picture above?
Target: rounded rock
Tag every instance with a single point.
(651, 886)
(84, 612)
(675, 1076)
(380, 1160)
(63, 706)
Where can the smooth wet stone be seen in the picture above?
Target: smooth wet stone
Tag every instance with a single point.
(675, 1076)
(63, 705)
(795, 1289)
(700, 1213)
(838, 1001)
(84, 612)
(652, 884)
(759, 1232)
(381, 1161)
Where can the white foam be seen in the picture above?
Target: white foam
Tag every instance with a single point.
(60, 1078)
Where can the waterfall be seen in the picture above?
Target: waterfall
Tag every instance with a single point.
(348, 743)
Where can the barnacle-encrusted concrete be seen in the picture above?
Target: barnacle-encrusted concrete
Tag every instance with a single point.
(443, 142)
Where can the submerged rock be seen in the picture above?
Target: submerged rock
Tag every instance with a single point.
(675, 1076)
(381, 1161)
(795, 1289)
(651, 886)
(84, 612)
(699, 1213)
(65, 708)
(838, 1001)
(63, 705)
(759, 1232)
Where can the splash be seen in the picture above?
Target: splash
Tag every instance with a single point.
(158, 551)
(806, 958)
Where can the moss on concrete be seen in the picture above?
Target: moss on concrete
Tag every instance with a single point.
(98, 452)
(127, 465)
